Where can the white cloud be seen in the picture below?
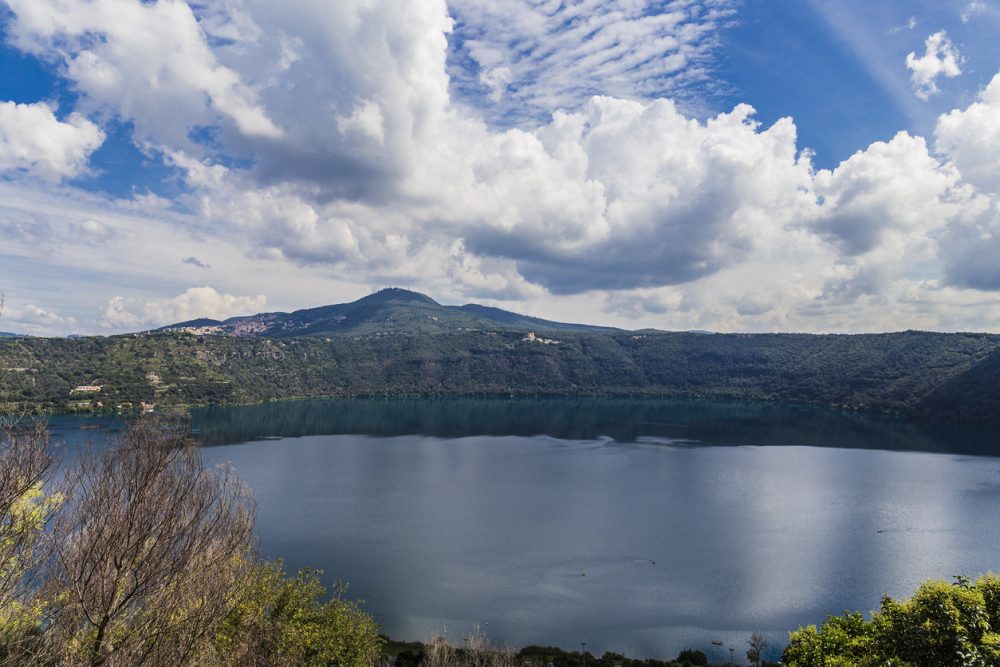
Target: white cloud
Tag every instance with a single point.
(973, 8)
(620, 194)
(193, 303)
(641, 303)
(34, 141)
(32, 319)
(535, 57)
(367, 119)
(894, 186)
(147, 62)
(623, 195)
(116, 315)
(33, 315)
(911, 24)
(940, 59)
(971, 138)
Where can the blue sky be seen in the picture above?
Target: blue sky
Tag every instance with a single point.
(836, 66)
(590, 159)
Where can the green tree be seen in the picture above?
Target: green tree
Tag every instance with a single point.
(692, 656)
(942, 624)
(839, 641)
(283, 620)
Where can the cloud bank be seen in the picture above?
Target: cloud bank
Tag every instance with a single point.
(338, 150)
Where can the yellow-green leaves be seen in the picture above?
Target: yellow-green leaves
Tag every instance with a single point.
(942, 624)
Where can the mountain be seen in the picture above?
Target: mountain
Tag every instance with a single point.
(401, 343)
(389, 311)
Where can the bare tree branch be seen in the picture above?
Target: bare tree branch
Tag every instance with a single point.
(148, 550)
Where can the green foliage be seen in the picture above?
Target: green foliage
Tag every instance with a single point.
(692, 657)
(902, 372)
(942, 624)
(283, 620)
(989, 586)
(840, 640)
(20, 531)
(541, 656)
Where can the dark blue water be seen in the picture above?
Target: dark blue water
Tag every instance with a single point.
(641, 527)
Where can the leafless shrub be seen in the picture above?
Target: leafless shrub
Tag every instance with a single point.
(758, 643)
(147, 551)
(439, 653)
(478, 651)
(481, 652)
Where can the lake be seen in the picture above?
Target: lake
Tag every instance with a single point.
(637, 526)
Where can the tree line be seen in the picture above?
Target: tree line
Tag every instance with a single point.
(943, 375)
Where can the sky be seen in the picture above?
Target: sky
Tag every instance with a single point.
(724, 165)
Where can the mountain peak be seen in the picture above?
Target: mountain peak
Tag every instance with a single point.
(397, 294)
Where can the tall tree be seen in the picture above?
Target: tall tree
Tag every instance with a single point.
(758, 643)
(148, 551)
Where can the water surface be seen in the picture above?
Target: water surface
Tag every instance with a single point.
(640, 527)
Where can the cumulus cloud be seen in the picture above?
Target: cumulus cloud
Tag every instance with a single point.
(32, 319)
(147, 62)
(116, 314)
(194, 261)
(641, 303)
(970, 137)
(34, 141)
(624, 194)
(940, 59)
(617, 195)
(890, 186)
(33, 315)
(193, 303)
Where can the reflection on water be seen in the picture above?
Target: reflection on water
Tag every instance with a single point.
(612, 522)
(624, 420)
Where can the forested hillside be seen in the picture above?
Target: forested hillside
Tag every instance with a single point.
(951, 375)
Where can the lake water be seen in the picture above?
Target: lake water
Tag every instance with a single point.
(640, 527)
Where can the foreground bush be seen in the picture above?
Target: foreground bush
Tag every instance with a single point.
(283, 620)
(142, 555)
(942, 624)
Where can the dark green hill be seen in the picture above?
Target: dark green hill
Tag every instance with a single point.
(944, 375)
(973, 394)
(387, 311)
